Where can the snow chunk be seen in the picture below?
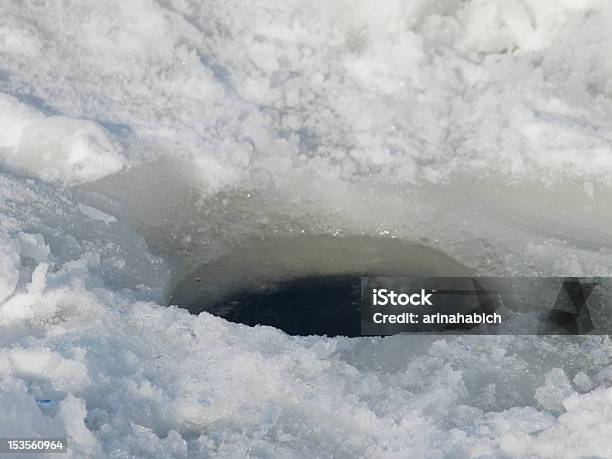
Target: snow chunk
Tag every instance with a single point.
(66, 151)
(33, 246)
(81, 440)
(96, 214)
(9, 266)
(556, 388)
(580, 432)
(41, 364)
(21, 416)
(583, 382)
(14, 118)
(56, 149)
(19, 37)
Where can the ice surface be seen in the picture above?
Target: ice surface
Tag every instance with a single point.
(478, 128)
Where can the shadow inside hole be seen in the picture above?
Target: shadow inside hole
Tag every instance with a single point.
(315, 305)
(307, 285)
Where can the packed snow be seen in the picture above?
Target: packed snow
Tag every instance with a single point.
(141, 139)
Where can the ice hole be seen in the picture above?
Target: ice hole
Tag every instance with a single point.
(307, 285)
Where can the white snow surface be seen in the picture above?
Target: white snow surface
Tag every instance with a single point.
(141, 138)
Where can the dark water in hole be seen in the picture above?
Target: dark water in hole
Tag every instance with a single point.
(306, 285)
(316, 305)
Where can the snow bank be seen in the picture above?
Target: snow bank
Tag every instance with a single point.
(478, 128)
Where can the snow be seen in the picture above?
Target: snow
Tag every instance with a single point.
(96, 214)
(56, 149)
(140, 139)
(33, 246)
(9, 266)
(15, 118)
(555, 390)
(66, 151)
